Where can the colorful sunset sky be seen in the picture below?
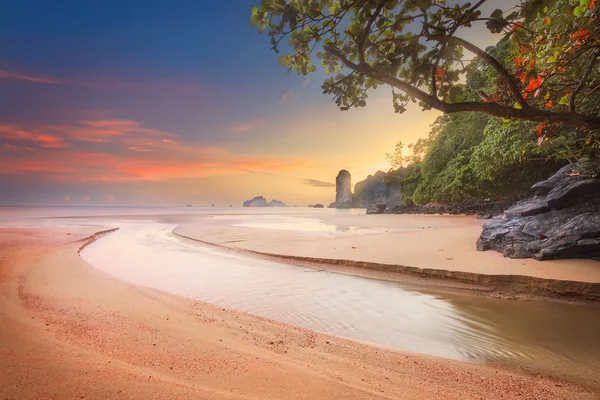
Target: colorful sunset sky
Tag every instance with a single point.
(173, 103)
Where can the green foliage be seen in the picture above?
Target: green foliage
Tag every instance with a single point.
(546, 72)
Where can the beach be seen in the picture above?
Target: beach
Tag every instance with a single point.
(73, 331)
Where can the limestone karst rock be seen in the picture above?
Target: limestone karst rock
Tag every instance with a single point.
(343, 190)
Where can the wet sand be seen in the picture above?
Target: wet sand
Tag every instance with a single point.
(437, 247)
(70, 331)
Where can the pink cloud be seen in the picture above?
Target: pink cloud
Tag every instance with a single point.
(246, 126)
(15, 76)
(287, 96)
(50, 152)
(101, 83)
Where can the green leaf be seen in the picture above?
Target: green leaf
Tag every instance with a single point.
(333, 8)
(285, 60)
(580, 10)
(563, 100)
(517, 106)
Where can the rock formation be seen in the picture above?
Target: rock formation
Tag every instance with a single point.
(256, 202)
(260, 201)
(374, 191)
(318, 206)
(562, 220)
(276, 203)
(343, 190)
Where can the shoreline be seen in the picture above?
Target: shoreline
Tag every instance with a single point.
(74, 331)
(513, 287)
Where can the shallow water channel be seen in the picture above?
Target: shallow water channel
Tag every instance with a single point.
(552, 338)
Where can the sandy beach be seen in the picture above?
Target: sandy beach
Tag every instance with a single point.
(428, 249)
(70, 331)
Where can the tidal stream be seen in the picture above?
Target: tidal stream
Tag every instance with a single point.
(556, 339)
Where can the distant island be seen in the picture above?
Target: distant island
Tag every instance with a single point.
(260, 201)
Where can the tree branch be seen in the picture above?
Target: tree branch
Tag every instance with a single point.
(512, 85)
(584, 79)
(360, 43)
(526, 113)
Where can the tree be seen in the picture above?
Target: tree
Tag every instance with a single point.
(417, 48)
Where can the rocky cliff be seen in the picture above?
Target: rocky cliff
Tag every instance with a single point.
(374, 192)
(562, 220)
(260, 201)
(343, 190)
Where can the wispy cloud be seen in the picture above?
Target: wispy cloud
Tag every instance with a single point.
(258, 172)
(120, 151)
(306, 81)
(15, 76)
(317, 183)
(160, 85)
(41, 79)
(287, 96)
(246, 126)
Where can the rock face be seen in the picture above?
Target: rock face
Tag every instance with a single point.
(373, 191)
(343, 190)
(562, 220)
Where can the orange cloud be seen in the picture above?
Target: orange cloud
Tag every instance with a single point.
(142, 154)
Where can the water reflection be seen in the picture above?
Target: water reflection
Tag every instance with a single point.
(556, 338)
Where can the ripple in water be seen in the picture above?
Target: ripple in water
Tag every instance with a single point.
(554, 338)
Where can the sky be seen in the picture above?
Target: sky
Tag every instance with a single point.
(173, 103)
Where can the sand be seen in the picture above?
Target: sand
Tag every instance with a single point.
(70, 331)
(428, 250)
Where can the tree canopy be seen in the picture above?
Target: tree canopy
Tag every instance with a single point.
(549, 73)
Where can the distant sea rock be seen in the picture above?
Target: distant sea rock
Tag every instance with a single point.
(318, 206)
(374, 192)
(256, 202)
(260, 201)
(276, 203)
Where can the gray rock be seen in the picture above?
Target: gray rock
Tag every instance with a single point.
(376, 208)
(572, 191)
(562, 223)
(544, 187)
(318, 206)
(343, 189)
(533, 206)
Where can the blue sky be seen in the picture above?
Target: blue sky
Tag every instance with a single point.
(155, 102)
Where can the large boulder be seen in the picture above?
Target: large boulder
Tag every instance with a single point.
(562, 220)
(376, 208)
